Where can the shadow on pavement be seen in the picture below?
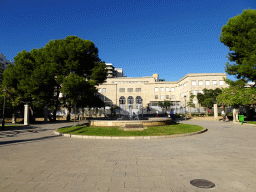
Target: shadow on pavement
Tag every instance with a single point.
(28, 140)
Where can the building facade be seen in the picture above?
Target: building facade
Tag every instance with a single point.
(113, 72)
(137, 92)
(3, 66)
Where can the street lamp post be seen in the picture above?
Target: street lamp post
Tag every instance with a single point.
(185, 108)
(3, 109)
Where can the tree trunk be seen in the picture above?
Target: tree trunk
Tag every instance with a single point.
(45, 114)
(56, 104)
(68, 112)
(247, 108)
(14, 116)
(83, 112)
(32, 119)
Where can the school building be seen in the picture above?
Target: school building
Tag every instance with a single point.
(133, 93)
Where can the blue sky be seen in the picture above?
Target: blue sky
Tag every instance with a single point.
(168, 37)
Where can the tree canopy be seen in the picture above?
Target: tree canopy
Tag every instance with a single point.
(191, 103)
(237, 95)
(164, 104)
(70, 65)
(239, 34)
(208, 97)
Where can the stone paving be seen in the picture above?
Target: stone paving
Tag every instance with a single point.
(42, 161)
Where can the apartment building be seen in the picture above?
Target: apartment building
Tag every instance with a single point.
(3, 66)
(113, 72)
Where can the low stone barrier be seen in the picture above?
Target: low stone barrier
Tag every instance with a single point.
(146, 123)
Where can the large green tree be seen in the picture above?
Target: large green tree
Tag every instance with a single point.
(31, 78)
(38, 75)
(191, 103)
(74, 55)
(239, 34)
(164, 104)
(79, 92)
(237, 95)
(208, 97)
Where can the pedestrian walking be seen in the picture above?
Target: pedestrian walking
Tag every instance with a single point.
(171, 114)
(223, 114)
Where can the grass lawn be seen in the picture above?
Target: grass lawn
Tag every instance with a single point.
(115, 131)
(251, 122)
(11, 125)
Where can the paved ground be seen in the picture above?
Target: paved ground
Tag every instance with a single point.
(225, 155)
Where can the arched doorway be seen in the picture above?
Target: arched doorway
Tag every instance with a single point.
(130, 102)
(138, 102)
(122, 102)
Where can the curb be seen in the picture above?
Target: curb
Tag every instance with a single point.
(128, 138)
(253, 125)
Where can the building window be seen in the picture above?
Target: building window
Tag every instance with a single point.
(200, 82)
(172, 96)
(207, 82)
(104, 90)
(138, 100)
(122, 100)
(167, 89)
(122, 90)
(194, 92)
(195, 102)
(99, 90)
(172, 89)
(156, 88)
(186, 84)
(156, 96)
(161, 97)
(193, 83)
(130, 100)
(161, 89)
(201, 92)
(138, 89)
(130, 89)
(167, 96)
(221, 82)
(214, 82)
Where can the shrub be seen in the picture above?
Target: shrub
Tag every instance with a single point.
(178, 115)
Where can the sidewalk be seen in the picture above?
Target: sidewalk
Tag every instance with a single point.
(209, 118)
(42, 161)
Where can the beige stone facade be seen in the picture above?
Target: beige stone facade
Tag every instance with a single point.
(121, 91)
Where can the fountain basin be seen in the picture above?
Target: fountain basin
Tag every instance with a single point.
(121, 123)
